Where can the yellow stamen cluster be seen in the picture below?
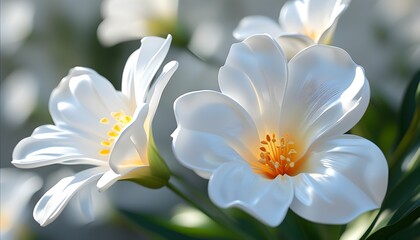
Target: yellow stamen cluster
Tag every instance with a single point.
(276, 157)
(121, 120)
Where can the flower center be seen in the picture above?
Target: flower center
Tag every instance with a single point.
(277, 157)
(311, 34)
(121, 120)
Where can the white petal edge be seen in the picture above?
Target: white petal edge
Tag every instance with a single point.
(212, 128)
(326, 95)
(255, 75)
(54, 200)
(81, 99)
(50, 145)
(253, 25)
(347, 175)
(234, 184)
(130, 148)
(156, 91)
(107, 180)
(142, 66)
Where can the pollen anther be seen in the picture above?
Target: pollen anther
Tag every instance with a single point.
(276, 157)
(121, 120)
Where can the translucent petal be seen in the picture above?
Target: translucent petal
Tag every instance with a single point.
(129, 150)
(347, 176)
(142, 66)
(255, 76)
(156, 91)
(51, 145)
(81, 99)
(327, 94)
(212, 127)
(107, 179)
(54, 200)
(234, 184)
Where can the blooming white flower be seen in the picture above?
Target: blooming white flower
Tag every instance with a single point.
(98, 126)
(302, 23)
(16, 189)
(126, 20)
(275, 137)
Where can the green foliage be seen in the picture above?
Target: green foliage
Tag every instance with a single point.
(158, 228)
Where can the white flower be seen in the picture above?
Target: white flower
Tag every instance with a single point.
(275, 137)
(302, 23)
(16, 189)
(126, 20)
(98, 126)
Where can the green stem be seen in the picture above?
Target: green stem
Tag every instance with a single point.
(407, 139)
(229, 226)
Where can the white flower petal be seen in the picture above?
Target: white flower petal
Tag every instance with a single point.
(327, 94)
(212, 128)
(82, 99)
(130, 148)
(315, 19)
(255, 76)
(156, 90)
(323, 14)
(293, 17)
(235, 184)
(51, 145)
(253, 25)
(107, 179)
(142, 66)
(293, 44)
(54, 200)
(347, 176)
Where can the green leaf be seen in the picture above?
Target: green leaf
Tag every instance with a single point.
(403, 223)
(158, 228)
(408, 105)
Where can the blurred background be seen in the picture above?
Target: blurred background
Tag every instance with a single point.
(42, 40)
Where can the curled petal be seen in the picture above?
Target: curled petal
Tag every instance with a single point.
(81, 99)
(130, 148)
(315, 19)
(107, 179)
(211, 128)
(155, 92)
(51, 145)
(54, 200)
(254, 25)
(142, 66)
(292, 17)
(327, 94)
(347, 176)
(255, 76)
(235, 184)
